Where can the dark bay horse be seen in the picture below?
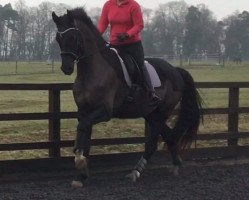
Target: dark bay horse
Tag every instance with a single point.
(100, 92)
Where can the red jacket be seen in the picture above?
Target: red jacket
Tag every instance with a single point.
(126, 18)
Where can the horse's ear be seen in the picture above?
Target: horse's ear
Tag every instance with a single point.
(70, 16)
(55, 18)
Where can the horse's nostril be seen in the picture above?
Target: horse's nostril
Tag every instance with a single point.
(67, 71)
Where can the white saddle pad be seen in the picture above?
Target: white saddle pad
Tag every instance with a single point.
(155, 81)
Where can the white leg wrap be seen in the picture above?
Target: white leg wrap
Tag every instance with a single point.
(77, 184)
(80, 160)
(174, 170)
(140, 166)
(138, 169)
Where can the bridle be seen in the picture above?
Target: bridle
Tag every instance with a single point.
(76, 55)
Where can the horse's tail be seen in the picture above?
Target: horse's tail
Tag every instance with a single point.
(190, 114)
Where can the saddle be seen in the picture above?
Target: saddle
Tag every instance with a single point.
(132, 73)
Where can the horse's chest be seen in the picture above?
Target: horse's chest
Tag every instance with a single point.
(89, 95)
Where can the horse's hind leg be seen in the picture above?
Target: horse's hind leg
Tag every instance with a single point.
(154, 123)
(171, 138)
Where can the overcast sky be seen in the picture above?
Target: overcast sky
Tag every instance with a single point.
(221, 8)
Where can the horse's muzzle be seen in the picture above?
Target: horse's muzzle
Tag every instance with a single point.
(67, 70)
(67, 65)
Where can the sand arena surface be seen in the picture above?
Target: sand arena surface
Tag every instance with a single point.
(195, 182)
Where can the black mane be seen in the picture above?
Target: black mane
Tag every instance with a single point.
(80, 14)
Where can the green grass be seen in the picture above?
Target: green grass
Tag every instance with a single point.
(33, 72)
(20, 67)
(37, 101)
(229, 73)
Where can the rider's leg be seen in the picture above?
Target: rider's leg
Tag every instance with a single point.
(137, 52)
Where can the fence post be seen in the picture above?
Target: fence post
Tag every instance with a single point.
(189, 60)
(233, 116)
(180, 60)
(16, 67)
(219, 58)
(54, 122)
(52, 65)
(146, 129)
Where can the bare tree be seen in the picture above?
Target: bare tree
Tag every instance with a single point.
(168, 26)
(147, 33)
(8, 16)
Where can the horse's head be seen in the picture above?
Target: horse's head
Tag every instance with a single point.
(78, 38)
(69, 40)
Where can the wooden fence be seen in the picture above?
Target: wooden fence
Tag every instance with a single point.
(199, 60)
(54, 116)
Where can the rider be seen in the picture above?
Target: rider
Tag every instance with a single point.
(126, 22)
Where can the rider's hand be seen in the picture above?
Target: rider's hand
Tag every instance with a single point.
(122, 37)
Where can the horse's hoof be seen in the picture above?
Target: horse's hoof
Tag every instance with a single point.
(80, 161)
(175, 170)
(77, 184)
(133, 176)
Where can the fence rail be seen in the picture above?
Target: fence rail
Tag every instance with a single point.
(54, 115)
(193, 60)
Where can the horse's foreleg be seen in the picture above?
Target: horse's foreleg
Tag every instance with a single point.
(83, 140)
(82, 143)
(81, 150)
(81, 165)
(84, 130)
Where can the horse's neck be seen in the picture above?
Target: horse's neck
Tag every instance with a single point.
(92, 41)
(90, 67)
(94, 64)
(85, 68)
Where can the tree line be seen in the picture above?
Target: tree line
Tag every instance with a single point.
(174, 28)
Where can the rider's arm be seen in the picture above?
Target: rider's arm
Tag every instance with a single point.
(103, 21)
(137, 18)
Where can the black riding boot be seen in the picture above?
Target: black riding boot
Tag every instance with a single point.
(148, 86)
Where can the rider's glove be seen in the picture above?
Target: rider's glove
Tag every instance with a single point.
(122, 37)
